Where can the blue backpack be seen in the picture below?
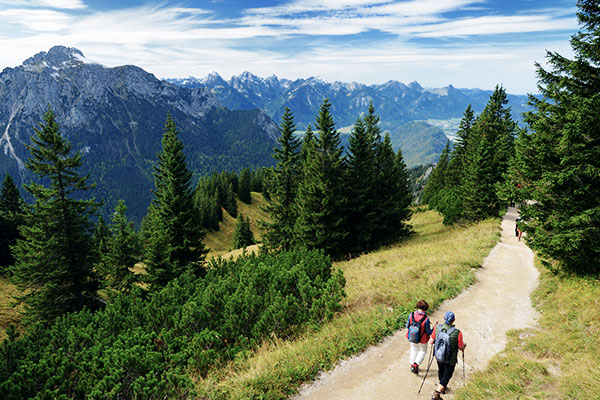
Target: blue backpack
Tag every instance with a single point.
(442, 348)
(414, 328)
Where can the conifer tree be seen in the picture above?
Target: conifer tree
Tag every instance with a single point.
(123, 251)
(361, 183)
(456, 169)
(392, 189)
(403, 196)
(230, 201)
(283, 183)
(558, 163)
(242, 235)
(437, 179)
(478, 190)
(54, 260)
(320, 202)
(175, 243)
(11, 217)
(101, 236)
(489, 151)
(244, 186)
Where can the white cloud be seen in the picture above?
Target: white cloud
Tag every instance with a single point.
(36, 20)
(60, 4)
(491, 25)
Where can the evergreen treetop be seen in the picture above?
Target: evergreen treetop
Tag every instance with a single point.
(176, 234)
(56, 255)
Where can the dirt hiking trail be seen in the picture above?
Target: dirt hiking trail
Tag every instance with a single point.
(498, 301)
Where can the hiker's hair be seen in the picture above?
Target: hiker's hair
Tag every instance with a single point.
(422, 305)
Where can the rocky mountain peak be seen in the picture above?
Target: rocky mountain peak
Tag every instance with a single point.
(58, 57)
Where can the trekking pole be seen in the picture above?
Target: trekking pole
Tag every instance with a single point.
(428, 366)
(464, 379)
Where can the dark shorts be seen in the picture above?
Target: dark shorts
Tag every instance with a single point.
(445, 372)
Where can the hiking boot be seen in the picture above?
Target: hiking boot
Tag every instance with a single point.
(436, 395)
(414, 368)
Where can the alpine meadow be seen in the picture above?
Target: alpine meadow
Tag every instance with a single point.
(274, 238)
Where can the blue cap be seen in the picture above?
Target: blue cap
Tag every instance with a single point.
(449, 317)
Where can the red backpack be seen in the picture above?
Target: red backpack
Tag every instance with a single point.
(415, 328)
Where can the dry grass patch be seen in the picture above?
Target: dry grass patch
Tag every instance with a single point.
(8, 313)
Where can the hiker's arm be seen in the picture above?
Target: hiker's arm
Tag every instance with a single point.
(461, 344)
(428, 329)
(432, 337)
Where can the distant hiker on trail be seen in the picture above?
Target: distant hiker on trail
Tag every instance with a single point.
(447, 341)
(518, 228)
(418, 332)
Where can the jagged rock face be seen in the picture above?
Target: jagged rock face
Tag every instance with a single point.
(396, 103)
(115, 116)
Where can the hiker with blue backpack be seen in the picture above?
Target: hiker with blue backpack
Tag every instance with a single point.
(447, 340)
(418, 332)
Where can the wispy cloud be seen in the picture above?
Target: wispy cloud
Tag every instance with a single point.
(59, 4)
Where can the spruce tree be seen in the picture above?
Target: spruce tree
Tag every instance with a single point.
(558, 166)
(123, 251)
(11, 217)
(392, 195)
(101, 236)
(361, 182)
(320, 201)
(230, 201)
(175, 243)
(283, 183)
(456, 169)
(489, 151)
(437, 179)
(244, 186)
(242, 235)
(54, 260)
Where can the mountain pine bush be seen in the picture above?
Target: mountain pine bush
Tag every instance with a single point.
(146, 347)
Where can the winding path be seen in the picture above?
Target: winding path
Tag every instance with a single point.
(498, 301)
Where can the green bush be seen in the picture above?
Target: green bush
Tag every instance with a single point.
(140, 347)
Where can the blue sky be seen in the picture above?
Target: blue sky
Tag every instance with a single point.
(435, 42)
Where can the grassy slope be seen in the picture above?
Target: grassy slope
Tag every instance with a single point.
(382, 288)
(221, 241)
(8, 314)
(560, 359)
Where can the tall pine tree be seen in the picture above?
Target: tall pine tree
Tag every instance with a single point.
(283, 183)
(245, 186)
(11, 217)
(392, 195)
(360, 187)
(175, 232)
(320, 201)
(489, 151)
(123, 252)
(558, 162)
(437, 179)
(56, 255)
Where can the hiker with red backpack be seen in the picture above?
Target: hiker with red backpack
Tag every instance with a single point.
(418, 330)
(447, 340)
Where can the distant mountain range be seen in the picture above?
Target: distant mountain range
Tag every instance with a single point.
(400, 106)
(115, 117)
